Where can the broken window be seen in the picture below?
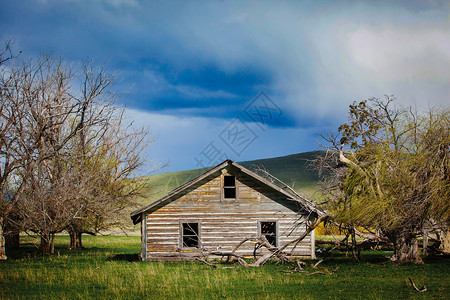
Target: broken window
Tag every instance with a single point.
(269, 230)
(229, 187)
(190, 234)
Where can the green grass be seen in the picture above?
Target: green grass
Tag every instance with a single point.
(109, 268)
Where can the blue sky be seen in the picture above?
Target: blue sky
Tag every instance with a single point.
(194, 70)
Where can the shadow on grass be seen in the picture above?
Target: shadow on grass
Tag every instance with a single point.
(31, 251)
(368, 256)
(27, 250)
(124, 257)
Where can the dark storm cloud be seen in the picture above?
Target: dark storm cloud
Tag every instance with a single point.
(194, 66)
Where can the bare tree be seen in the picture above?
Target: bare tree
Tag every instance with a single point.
(36, 103)
(15, 153)
(51, 134)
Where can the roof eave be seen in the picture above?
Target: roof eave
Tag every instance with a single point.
(303, 201)
(135, 215)
(179, 189)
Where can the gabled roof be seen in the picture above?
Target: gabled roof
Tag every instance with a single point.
(308, 205)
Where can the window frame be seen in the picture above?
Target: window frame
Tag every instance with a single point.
(223, 187)
(181, 234)
(276, 230)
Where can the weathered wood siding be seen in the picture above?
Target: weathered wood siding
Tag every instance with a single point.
(223, 223)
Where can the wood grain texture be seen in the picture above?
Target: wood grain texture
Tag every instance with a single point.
(223, 223)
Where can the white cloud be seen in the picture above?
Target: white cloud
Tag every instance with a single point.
(408, 53)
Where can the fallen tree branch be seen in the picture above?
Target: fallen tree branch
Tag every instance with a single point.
(228, 254)
(324, 271)
(242, 242)
(423, 289)
(206, 263)
(242, 262)
(212, 265)
(317, 263)
(262, 241)
(300, 265)
(279, 251)
(307, 231)
(316, 272)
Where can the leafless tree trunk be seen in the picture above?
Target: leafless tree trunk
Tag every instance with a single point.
(75, 239)
(47, 245)
(11, 114)
(354, 244)
(425, 242)
(2, 241)
(445, 241)
(406, 248)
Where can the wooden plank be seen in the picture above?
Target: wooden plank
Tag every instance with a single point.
(223, 224)
(143, 237)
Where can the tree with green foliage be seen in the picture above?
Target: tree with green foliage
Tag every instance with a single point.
(103, 167)
(391, 172)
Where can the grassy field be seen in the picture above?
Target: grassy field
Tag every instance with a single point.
(109, 268)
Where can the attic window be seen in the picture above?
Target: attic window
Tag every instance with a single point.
(269, 230)
(229, 187)
(190, 234)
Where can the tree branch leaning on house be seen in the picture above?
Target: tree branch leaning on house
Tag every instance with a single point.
(389, 170)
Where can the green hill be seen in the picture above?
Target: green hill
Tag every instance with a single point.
(293, 170)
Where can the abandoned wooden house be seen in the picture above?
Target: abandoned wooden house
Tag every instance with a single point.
(220, 208)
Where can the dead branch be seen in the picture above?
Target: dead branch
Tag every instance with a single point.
(423, 289)
(261, 260)
(299, 269)
(273, 179)
(273, 251)
(242, 242)
(324, 272)
(206, 263)
(242, 262)
(307, 231)
(316, 272)
(227, 254)
(317, 263)
(278, 252)
(300, 265)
